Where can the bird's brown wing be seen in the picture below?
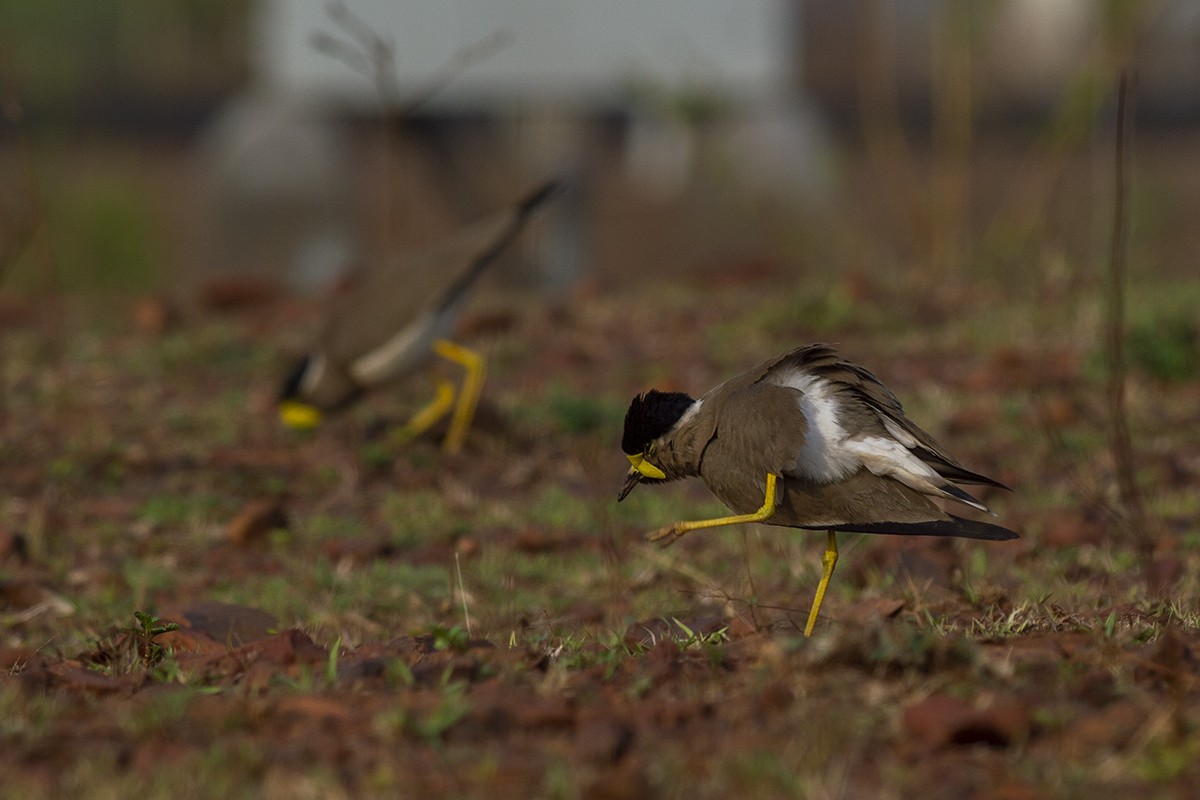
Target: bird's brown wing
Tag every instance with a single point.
(713, 406)
(867, 503)
(862, 385)
(810, 357)
(861, 499)
(757, 429)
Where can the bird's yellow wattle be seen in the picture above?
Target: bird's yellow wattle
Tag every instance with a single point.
(300, 416)
(640, 464)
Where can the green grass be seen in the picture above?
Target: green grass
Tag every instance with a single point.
(109, 239)
(179, 510)
(555, 573)
(1167, 348)
(423, 516)
(567, 412)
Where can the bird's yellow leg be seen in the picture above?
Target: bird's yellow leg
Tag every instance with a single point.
(468, 396)
(429, 414)
(670, 533)
(828, 561)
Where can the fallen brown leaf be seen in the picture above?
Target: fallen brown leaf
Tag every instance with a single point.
(226, 623)
(871, 610)
(256, 520)
(942, 720)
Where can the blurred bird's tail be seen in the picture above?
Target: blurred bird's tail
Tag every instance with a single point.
(538, 198)
(511, 222)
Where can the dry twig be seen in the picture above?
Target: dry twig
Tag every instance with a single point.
(371, 55)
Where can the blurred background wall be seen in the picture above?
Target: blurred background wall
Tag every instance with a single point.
(181, 143)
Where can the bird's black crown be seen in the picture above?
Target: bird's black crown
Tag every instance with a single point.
(650, 415)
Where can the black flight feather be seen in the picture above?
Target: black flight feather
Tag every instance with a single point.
(525, 209)
(955, 526)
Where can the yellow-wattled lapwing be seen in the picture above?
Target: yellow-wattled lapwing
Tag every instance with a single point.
(805, 440)
(394, 321)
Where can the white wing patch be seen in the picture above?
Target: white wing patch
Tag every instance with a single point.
(829, 454)
(888, 458)
(823, 458)
(899, 434)
(313, 374)
(401, 352)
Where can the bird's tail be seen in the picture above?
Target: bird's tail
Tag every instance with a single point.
(538, 198)
(516, 218)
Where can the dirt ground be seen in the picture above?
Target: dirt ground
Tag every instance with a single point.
(360, 619)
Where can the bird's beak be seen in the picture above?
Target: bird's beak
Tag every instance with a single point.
(631, 480)
(641, 468)
(300, 416)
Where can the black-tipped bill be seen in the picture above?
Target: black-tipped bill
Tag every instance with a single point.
(631, 480)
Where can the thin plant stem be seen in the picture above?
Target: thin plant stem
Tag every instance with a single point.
(1120, 441)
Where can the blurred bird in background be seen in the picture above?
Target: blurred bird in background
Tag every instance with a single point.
(395, 321)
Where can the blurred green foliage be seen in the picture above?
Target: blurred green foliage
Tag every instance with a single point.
(59, 50)
(576, 414)
(1167, 348)
(106, 237)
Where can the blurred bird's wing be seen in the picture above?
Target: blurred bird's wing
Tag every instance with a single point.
(416, 299)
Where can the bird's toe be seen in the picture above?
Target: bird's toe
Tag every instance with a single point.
(664, 537)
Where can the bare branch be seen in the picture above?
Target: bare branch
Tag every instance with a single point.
(472, 54)
(359, 30)
(345, 52)
(371, 55)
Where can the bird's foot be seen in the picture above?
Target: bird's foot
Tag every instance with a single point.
(665, 537)
(402, 435)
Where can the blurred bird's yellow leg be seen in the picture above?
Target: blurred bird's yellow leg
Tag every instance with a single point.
(429, 414)
(468, 395)
(673, 532)
(828, 562)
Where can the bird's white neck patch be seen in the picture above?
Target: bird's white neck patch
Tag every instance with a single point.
(313, 374)
(688, 415)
